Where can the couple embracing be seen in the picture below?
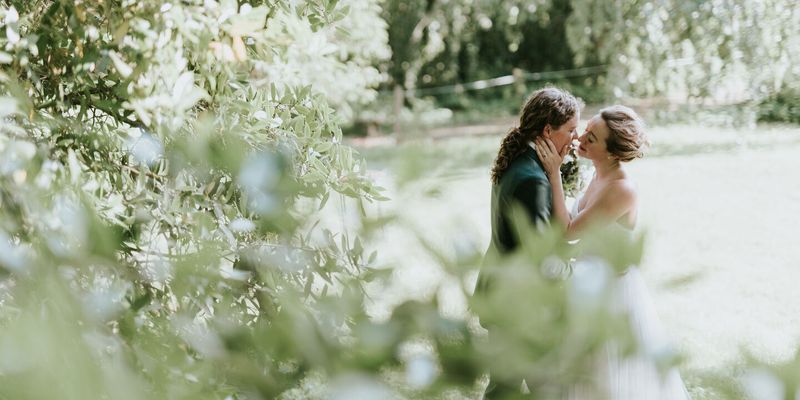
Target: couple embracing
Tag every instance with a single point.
(526, 174)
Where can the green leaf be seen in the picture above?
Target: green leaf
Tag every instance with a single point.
(5, 58)
(273, 90)
(324, 200)
(323, 147)
(8, 106)
(120, 65)
(248, 23)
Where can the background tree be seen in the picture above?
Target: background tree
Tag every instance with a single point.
(435, 42)
(725, 50)
(722, 52)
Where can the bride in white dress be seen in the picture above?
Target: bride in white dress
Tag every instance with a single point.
(614, 136)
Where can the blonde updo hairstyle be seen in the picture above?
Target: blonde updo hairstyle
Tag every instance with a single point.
(626, 137)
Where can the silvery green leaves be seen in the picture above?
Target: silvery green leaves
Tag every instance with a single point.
(147, 190)
(329, 54)
(247, 21)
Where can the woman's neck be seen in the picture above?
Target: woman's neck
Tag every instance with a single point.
(607, 169)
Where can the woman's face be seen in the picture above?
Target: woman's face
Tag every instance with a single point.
(564, 134)
(592, 144)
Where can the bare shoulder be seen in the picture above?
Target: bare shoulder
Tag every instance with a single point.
(620, 192)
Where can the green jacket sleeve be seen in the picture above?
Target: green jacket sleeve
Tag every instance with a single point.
(535, 197)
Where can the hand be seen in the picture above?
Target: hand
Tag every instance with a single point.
(551, 157)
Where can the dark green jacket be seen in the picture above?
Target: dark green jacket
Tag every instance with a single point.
(524, 185)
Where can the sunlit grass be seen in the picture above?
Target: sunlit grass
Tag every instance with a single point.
(715, 204)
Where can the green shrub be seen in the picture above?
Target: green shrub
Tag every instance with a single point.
(783, 106)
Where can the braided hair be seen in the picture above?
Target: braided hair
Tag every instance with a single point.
(549, 106)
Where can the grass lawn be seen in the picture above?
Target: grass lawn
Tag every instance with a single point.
(720, 207)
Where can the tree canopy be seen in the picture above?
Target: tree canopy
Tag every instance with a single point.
(729, 51)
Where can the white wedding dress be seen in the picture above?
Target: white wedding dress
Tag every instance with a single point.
(633, 377)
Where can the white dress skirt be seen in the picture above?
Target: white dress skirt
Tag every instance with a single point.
(631, 377)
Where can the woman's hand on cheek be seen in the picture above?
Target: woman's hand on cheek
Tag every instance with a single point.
(551, 158)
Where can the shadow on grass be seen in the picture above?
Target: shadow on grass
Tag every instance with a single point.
(714, 385)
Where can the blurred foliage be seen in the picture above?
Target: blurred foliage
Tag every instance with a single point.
(783, 106)
(162, 169)
(157, 159)
(444, 42)
(694, 52)
(725, 50)
(437, 43)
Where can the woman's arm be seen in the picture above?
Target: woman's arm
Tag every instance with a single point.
(614, 201)
(551, 161)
